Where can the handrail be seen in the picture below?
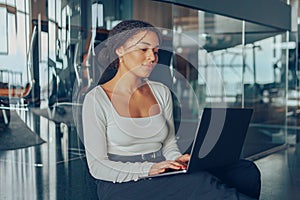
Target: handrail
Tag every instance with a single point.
(29, 56)
(89, 52)
(79, 80)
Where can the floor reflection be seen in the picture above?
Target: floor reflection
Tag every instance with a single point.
(18, 174)
(54, 170)
(280, 175)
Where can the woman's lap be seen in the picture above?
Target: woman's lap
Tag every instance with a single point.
(200, 185)
(244, 176)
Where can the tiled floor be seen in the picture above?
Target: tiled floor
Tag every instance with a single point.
(57, 168)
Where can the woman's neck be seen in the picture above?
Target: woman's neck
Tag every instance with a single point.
(125, 82)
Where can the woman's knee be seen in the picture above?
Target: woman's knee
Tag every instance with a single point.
(252, 171)
(253, 177)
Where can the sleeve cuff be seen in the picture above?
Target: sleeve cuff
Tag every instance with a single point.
(173, 156)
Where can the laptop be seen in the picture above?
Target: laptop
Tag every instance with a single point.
(219, 139)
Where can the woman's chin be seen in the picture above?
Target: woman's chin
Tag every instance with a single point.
(146, 73)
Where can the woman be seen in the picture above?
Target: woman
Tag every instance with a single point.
(129, 132)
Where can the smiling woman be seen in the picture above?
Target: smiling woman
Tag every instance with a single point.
(137, 58)
(129, 132)
(139, 54)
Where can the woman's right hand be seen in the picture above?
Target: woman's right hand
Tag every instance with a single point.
(161, 167)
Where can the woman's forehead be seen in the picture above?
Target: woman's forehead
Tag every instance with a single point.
(148, 38)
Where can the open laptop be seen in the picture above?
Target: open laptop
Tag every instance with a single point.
(219, 139)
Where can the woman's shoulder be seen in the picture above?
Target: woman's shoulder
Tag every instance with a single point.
(158, 86)
(95, 94)
(161, 91)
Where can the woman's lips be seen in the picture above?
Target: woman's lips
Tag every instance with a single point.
(148, 66)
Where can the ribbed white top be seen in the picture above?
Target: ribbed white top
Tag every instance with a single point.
(105, 131)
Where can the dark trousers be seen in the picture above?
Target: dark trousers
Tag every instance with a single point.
(244, 176)
(238, 181)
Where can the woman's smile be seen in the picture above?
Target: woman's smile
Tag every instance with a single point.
(148, 66)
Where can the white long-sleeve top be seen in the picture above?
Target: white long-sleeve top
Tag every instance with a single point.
(105, 131)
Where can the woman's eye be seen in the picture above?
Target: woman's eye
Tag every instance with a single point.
(144, 49)
(155, 52)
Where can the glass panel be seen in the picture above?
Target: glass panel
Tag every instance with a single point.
(52, 40)
(3, 31)
(231, 72)
(20, 5)
(10, 2)
(27, 6)
(52, 72)
(207, 64)
(51, 9)
(62, 49)
(64, 28)
(58, 12)
(21, 47)
(265, 87)
(27, 31)
(11, 28)
(215, 74)
(293, 93)
(223, 42)
(43, 68)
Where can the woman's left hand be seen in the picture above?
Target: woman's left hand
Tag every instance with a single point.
(184, 158)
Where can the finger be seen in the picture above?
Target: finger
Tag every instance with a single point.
(171, 164)
(181, 165)
(183, 159)
(175, 165)
(158, 172)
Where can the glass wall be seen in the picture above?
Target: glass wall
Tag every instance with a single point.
(209, 60)
(13, 44)
(265, 91)
(234, 63)
(206, 59)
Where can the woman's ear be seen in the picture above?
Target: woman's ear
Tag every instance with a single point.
(120, 51)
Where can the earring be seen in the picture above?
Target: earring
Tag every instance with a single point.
(121, 59)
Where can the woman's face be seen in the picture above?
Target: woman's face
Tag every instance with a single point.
(139, 54)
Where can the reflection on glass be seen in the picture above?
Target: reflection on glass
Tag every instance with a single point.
(43, 65)
(58, 12)
(17, 172)
(20, 5)
(21, 42)
(224, 70)
(52, 41)
(3, 31)
(51, 9)
(12, 36)
(265, 90)
(10, 2)
(293, 93)
(26, 31)
(27, 6)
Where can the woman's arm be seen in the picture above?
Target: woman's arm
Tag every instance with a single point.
(170, 147)
(174, 159)
(94, 131)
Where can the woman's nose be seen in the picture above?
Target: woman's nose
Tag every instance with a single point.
(151, 55)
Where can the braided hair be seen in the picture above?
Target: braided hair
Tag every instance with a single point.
(117, 37)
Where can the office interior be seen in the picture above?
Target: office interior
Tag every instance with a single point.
(232, 54)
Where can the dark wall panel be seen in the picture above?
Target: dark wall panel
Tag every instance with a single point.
(273, 13)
